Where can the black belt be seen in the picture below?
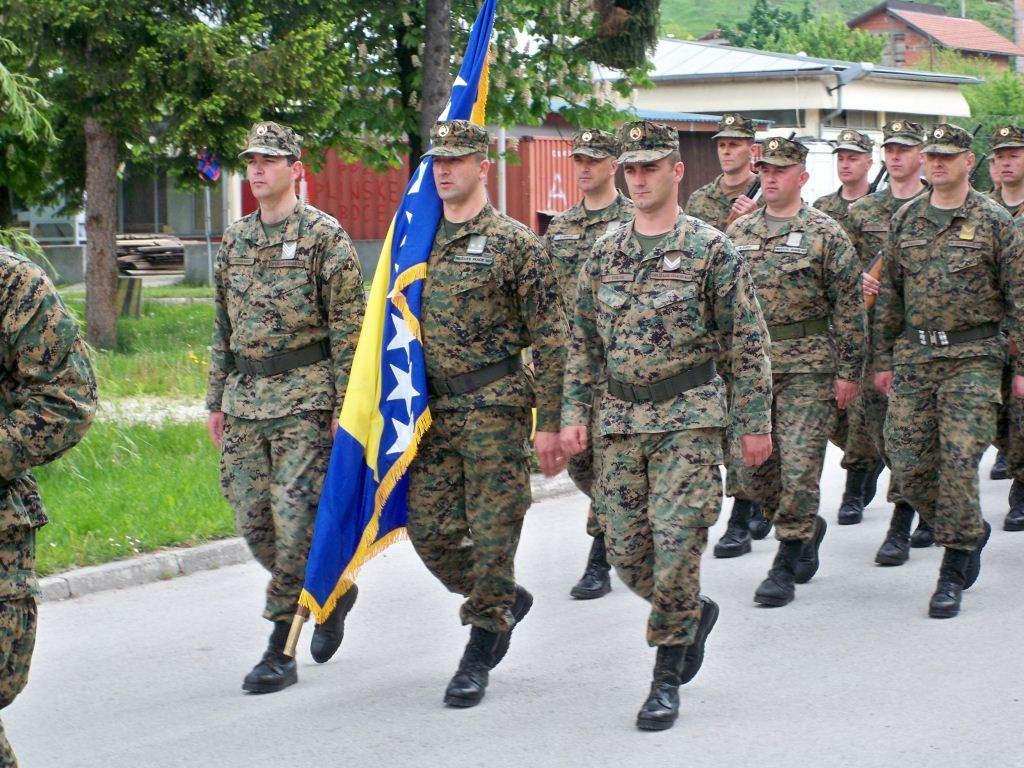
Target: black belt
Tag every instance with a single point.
(481, 377)
(664, 389)
(945, 338)
(798, 330)
(286, 361)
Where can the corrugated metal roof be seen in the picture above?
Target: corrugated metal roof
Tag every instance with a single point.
(959, 34)
(688, 60)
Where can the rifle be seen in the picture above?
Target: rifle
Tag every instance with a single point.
(882, 173)
(755, 188)
(875, 270)
(979, 162)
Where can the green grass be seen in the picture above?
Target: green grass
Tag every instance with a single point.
(176, 291)
(130, 489)
(163, 353)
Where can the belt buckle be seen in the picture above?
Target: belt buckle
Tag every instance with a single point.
(938, 339)
(922, 337)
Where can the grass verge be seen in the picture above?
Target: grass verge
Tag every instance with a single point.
(125, 490)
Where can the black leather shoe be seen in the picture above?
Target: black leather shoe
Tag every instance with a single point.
(734, 542)
(851, 509)
(778, 590)
(1000, 469)
(596, 580)
(895, 550)
(1015, 517)
(808, 563)
(661, 708)
(275, 671)
(973, 569)
(327, 637)
(760, 526)
(945, 602)
(468, 685)
(922, 535)
(520, 607)
(871, 483)
(694, 656)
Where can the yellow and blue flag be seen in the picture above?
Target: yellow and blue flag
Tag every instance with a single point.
(362, 507)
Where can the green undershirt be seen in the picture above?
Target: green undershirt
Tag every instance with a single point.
(649, 242)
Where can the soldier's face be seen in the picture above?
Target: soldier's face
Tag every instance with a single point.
(947, 171)
(653, 185)
(902, 161)
(852, 166)
(780, 185)
(593, 174)
(457, 178)
(734, 154)
(271, 177)
(1008, 165)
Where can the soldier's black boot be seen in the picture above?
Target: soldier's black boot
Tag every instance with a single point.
(922, 535)
(662, 706)
(520, 607)
(275, 671)
(469, 683)
(759, 524)
(851, 509)
(1015, 517)
(895, 550)
(871, 483)
(736, 539)
(808, 563)
(1000, 469)
(974, 562)
(327, 637)
(695, 653)
(945, 603)
(596, 580)
(778, 590)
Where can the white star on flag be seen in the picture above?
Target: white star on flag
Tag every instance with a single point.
(403, 336)
(404, 390)
(403, 436)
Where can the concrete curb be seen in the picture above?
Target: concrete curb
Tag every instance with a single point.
(168, 564)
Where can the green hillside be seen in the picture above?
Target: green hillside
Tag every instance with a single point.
(689, 18)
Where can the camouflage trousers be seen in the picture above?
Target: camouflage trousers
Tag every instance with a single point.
(17, 623)
(582, 470)
(942, 417)
(469, 489)
(660, 494)
(789, 483)
(1010, 431)
(271, 474)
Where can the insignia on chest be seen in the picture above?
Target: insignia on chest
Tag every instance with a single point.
(613, 226)
(671, 260)
(288, 249)
(477, 243)
(967, 231)
(566, 236)
(793, 239)
(751, 247)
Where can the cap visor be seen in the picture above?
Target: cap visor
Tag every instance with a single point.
(729, 133)
(269, 151)
(1008, 145)
(597, 154)
(851, 148)
(905, 141)
(943, 149)
(451, 151)
(778, 162)
(644, 156)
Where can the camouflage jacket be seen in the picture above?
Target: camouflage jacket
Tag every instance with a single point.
(949, 278)
(643, 319)
(868, 224)
(490, 292)
(807, 271)
(1016, 211)
(49, 398)
(572, 234)
(711, 205)
(301, 286)
(836, 206)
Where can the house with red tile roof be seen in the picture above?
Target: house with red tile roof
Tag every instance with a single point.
(916, 32)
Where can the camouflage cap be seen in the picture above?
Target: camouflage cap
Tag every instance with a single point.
(595, 144)
(781, 151)
(734, 126)
(267, 138)
(645, 142)
(903, 132)
(1007, 136)
(946, 139)
(853, 141)
(456, 138)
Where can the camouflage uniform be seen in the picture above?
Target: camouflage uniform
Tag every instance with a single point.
(710, 203)
(946, 288)
(834, 204)
(809, 288)
(569, 239)
(288, 309)
(490, 292)
(640, 321)
(49, 398)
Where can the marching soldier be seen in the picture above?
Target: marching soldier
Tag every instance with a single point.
(289, 301)
(719, 203)
(490, 292)
(49, 399)
(868, 227)
(808, 284)
(658, 303)
(569, 239)
(853, 161)
(951, 281)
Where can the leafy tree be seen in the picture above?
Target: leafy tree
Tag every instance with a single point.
(828, 37)
(763, 24)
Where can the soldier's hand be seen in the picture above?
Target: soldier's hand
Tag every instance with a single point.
(883, 382)
(846, 392)
(549, 453)
(334, 426)
(215, 427)
(756, 449)
(574, 440)
(869, 285)
(743, 205)
(1018, 387)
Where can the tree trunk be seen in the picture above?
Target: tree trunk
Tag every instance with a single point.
(100, 231)
(6, 208)
(437, 39)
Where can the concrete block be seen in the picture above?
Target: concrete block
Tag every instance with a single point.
(124, 573)
(213, 555)
(196, 263)
(54, 588)
(64, 264)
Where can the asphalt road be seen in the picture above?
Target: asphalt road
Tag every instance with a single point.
(852, 673)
